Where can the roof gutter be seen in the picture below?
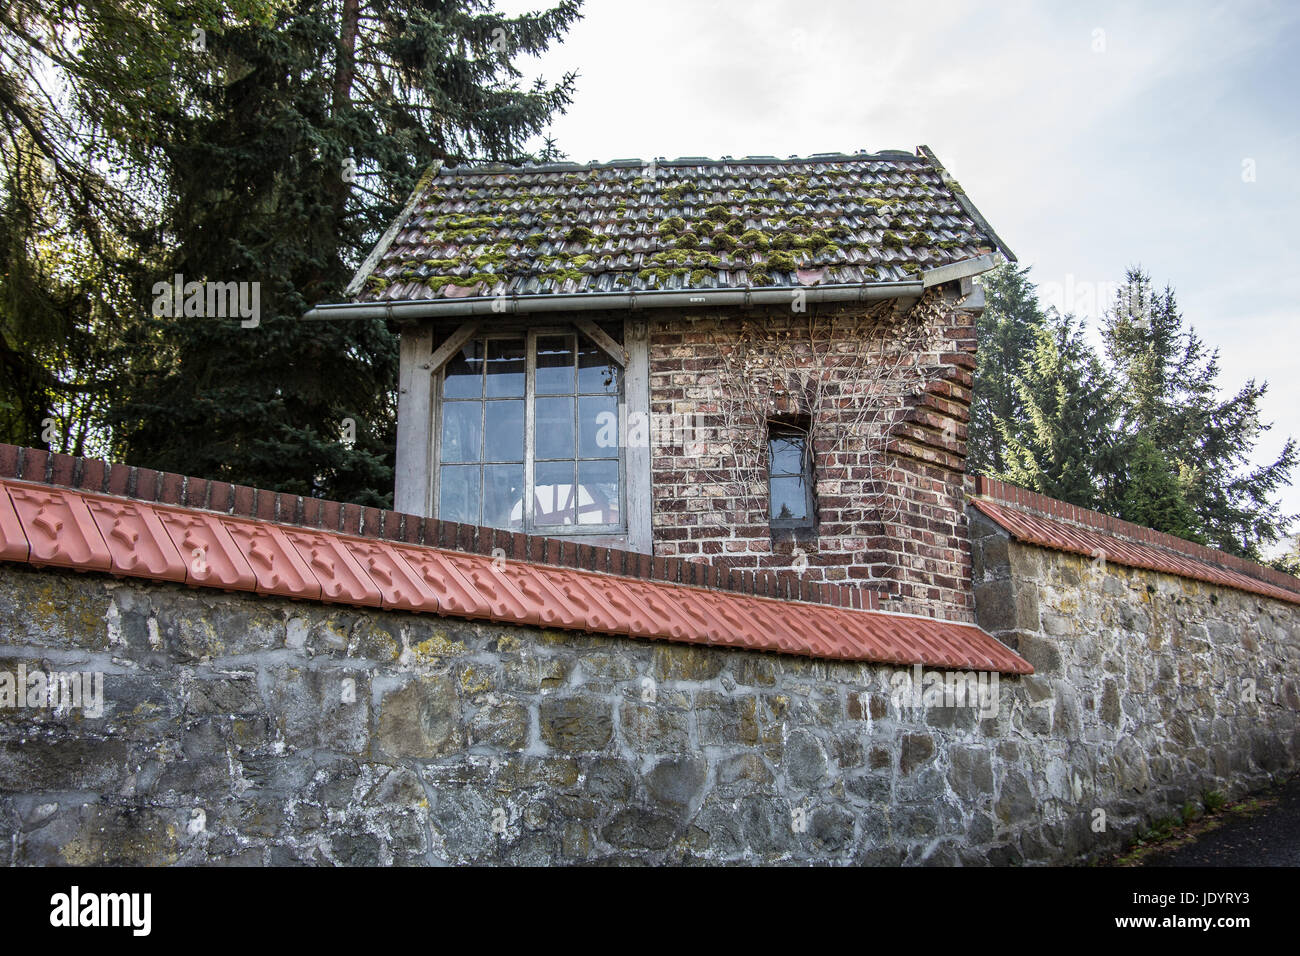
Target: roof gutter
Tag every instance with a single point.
(590, 301)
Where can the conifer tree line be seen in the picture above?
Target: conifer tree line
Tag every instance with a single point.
(253, 141)
(1139, 429)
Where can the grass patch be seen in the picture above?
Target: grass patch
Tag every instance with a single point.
(1194, 819)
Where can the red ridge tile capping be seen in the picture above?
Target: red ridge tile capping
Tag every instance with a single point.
(67, 527)
(40, 467)
(1047, 522)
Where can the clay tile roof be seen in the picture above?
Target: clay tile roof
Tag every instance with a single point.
(65, 527)
(684, 224)
(1168, 555)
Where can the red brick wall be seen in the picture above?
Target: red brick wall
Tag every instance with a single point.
(891, 509)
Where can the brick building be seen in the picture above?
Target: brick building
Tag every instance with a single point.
(761, 364)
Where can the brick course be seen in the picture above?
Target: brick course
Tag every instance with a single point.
(145, 484)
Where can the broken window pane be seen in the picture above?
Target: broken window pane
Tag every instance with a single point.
(597, 372)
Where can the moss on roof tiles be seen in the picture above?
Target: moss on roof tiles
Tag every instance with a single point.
(491, 229)
(781, 260)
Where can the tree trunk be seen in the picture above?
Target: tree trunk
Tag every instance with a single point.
(344, 74)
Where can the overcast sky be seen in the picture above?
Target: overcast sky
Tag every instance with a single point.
(1092, 136)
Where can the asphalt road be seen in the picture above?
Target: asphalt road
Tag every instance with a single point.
(1269, 838)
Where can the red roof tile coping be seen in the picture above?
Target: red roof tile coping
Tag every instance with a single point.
(1038, 519)
(144, 484)
(47, 525)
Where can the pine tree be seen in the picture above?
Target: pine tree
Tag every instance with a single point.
(1006, 336)
(1169, 392)
(1061, 444)
(1289, 560)
(84, 88)
(1152, 495)
(300, 145)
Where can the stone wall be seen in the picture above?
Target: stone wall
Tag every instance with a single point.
(890, 490)
(248, 730)
(1149, 689)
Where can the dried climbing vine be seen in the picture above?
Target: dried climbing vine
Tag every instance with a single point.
(842, 377)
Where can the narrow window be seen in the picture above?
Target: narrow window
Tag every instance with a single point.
(790, 480)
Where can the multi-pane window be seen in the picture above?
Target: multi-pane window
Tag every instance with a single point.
(789, 478)
(529, 435)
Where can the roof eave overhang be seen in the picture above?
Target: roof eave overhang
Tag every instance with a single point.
(592, 301)
(654, 299)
